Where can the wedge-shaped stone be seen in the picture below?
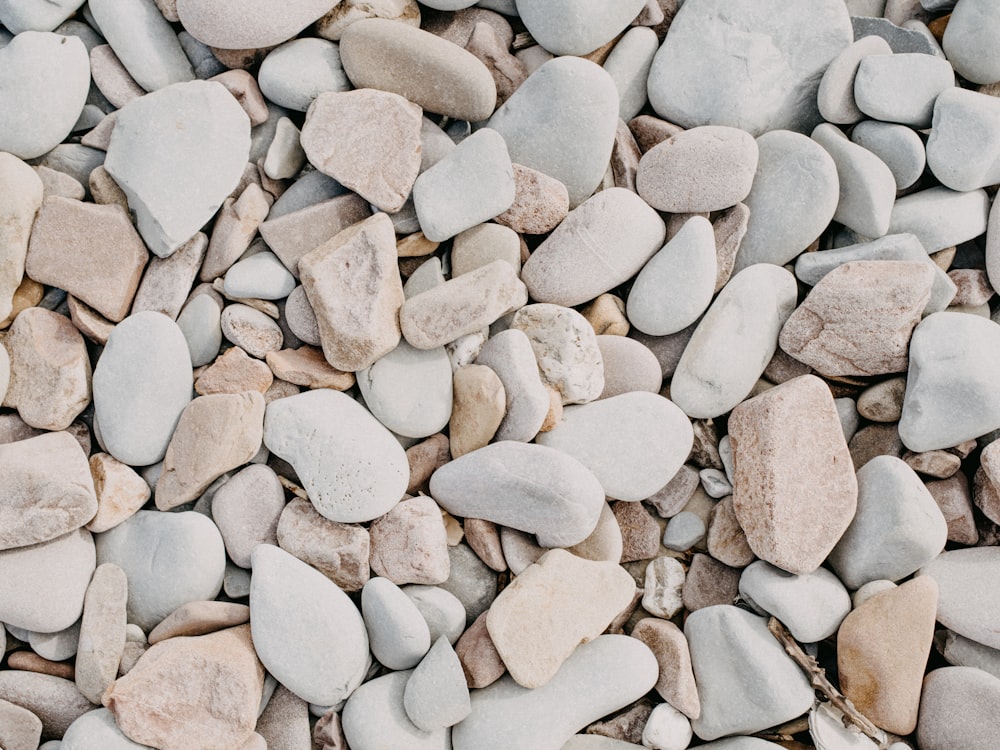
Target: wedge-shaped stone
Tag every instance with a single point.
(940, 217)
(436, 695)
(384, 698)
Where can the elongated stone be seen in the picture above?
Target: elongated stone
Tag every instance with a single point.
(20, 198)
(102, 631)
(510, 356)
(245, 25)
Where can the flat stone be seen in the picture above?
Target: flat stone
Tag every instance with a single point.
(620, 232)
(968, 42)
(261, 276)
(483, 244)
(398, 634)
(479, 658)
(231, 25)
(540, 202)
(770, 492)
(683, 531)
(901, 40)
(901, 87)
(384, 697)
(726, 541)
(676, 683)
(332, 441)
(898, 146)
(102, 632)
(556, 100)
(734, 341)
(199, 618)
(958, 709)
(940, 217)
(835, 97)
(246, 509)
(408, 544)
(300, 318)
(176, 178)
(811, 606)
(308, 367)
(664, 582)
(628, 366)
(338, 551)
(25, 16)
(954, 498)
(22, 730)
(436, 694)
(565, 28)
(295, 73)
(964, 123)
(54, 700)
(735, 67)
(789, 166)
(355, 270)
(628, 64)
(729, 645)
(167, 281)
(22, 193)
(966, 603)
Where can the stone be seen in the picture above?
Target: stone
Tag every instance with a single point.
(355, 270)
(483, 243)
(901, 40)
(628, 366)
(567, 29)
(955, 501)
(261, 276)
(958, 709)
(733, 66)
(169, 559)
(295, 73)
(898, 146)
(408, 544)
(37, 61)
(119, 490)
(203, 689)
(973, 286)
(729, 645)
(300, 318)
(484, 539)
(676, 286)
(308, 367)
(166, 281)
(338, 551)
(790, 166)
(664, 581)
(200, 323)
(25, 16)
(441, 610)
(901, 87)
(966, 603)
(22, 193)
(478, 656)
(384, 697)
(962, 652)
(734, 341)
(835, 96)
(555, 100)
(883, 402)
(251, 330)
(684, 530)
(461, 305)
(471, 581)
(968, 42)
(398, 634)
(240, 26)
(22, 730)
(331, 441)
(53, 700)
(726, 540)
(199, 618)
(176, 178)
(811, 606)
(964, 122)
(56, 646)
(605, 542)
(285, 157)
(424, 459)
(666, 729)
(233, 373)
(770, 491)
(676, 683)
(940, 217)
(540, 202)
(102, 632)
(621, 233)
(478, 408)
(562, 507)
(510, 356)
(246, 509)
(436, 694)
(635, 526)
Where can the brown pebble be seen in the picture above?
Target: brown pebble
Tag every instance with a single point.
(554, 416)
(484, 539)
(651, 131)
(725, 539)
(883, 402)
(424, 458)
(28, 294)
(240, 58)
(730, 226)
(625, 156)
(480, 659)
(94, 326)
(340, 551)
(875, 440)
(54, 700)
(540, 202)
(955, 501)
(29, 661)
(973, 286)
(19, 728)
(234, 372)
(328, 734)
(671, 499)
(639, 530)
(199, 618)
(415, 246)
(676, 683)
(606, 314)
(167, 281)
(234, 229)
(306, 366)
(104, 190)
(59, 183)
(709, 582)
(409, 545)
(783, 367)
(938, 464)
(478, 407)
(243, 86)
(985, 483)
(626, 726)
(508, 71)
(120, 491)
(280, 389)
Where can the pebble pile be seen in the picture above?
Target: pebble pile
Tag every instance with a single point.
(499, 375)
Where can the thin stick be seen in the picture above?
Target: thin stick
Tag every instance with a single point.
(289, 485)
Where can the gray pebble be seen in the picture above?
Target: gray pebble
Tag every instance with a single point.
(628, 65)
(940, 217)
(397, 632)
(374, 717)
(470, 581)
(811, 606)
(963, 150)
(897, 145)
(836, 89)
(442, 610)
(261, 275)
(970, 41)
(684, 531)
(902, 87)
(902, 41)
(295, 73)
(436, 694)
(510, 356)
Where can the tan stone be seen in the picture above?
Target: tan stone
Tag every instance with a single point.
(167, 282)
(120, 491)
(21, 194)
(29, 661)
(484, 539)
(415, 246)
(19, 728)
(671, 500)
(858, 319)
(293, 235)
(483, 244)
(284, 724)
(606, 314)
(478, 407)
(554, 416)
(955, 501)
(234, 372)
(626, 726)
(91, 251)
(104, 190)
(131, 655)
(280, 389)
(346, 12)
(625, 156)
(54, 700)
(457, 27)
(651, 131)
(489, 48)
(55, 182)
(409, 545)
(540, 202)
(480, 659)
(102, 631)
(88, 321)
(605, 541)
(709, 582)
(49, 369)
(28, 294)
(214, 434)
(639, 530)
(729, 227)
(354, 287)
(340, 551)
(328, 734)
(99, 136)
(243, 86)
(202, 691)
(45, 489)
(251, 329)
(424, 458)
(794, 488)
(986, 495)
(875, 440)
(199, 618)
(306, 366)
(111, 77)
(233, 231)
(883, 402)
(676, 681)
(973, 286)
(783, 367)
(725, 539)
(553, 606)
(882, 650)
(938, 463)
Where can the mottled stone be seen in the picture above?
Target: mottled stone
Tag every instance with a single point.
(408, 544)
(54, 700)
(540, 202)
(246, 510)
(102, 632)
(339, 551)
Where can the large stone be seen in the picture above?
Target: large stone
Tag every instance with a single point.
(409, 543)
(811, 606)
(902, 87)
(572, 28)
(436, 695)
(397, 632)
(384, 697)
(20, 197)
(247, 509)
(236, 25)
(958, 709)
(54, 700)
(968, 604)
(24, 15)
(963, 150)
(970, 41)
(337, 550)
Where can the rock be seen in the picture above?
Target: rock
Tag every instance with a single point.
(199, 618)
(901, 87)
(21, 16)
(507, 715)
(664, 581)
(384, 697)
(955, 501)
(964, 121)
(321, 654)
(734, 341)
(300, 317)
(684, 531)
(436, 694)
(120, 492)
(367, 140)
(962, 652)
(555, 100)
(510, 356)
(729, 66)
(628, 64)
(561, 509)
(308, 367)
(483, 243)
(261, 276)
(251, 330)
(835, 97)
(470, 581)
(58, 646)
(882, 650)
(940, 217)
(398, 634)
(478, 408)
(596, 742)
(897, 145)
(355, 270)
(233, 373)
(958, 709)
(621, 233)
(479, 658)
(22, 730)
(729, 645)
(232, 25)
(628, 366)
(408, 544)
(215, 434)
(169, 559)
(676, 681)
(204, 689)
(40, 61)
(166, 282)
(295, 73)
(968, 42)
(882, 402)
(770, 491)
(666, 729)
(54, 700)
(811, 606)
(338, 551)
(285, 721)
(441, 610)
(565, 28)
(331, 441)
(540, 202)
(966, 603)
(424, 458)
(22, 193)
(246, 509)
(901, 40)
(102, 632)
(676, 286)
(176, 178)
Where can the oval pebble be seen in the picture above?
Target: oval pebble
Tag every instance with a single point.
(902, 87)
(97, 730)
(246, 509)
(959, 707)
(628, 65)
(836, 89)
(968, 603)
(201, 323)
(397, 632)
(940, 217)
(443, 612)
(897, 145)
(261, 275)
(571, 27)
(628, 366)
(510, 356)
(24, 15)
(811, 606)
(248, 24)
(970, 41)
(963, 150)
(251, 330)
(298, 71)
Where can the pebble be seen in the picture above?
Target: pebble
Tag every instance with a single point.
(57, 646)
(479, 658)
(251, 330)
(441, 610)
(683, 531)
(621, 233)
(436, 694)
(600, 677)
(901, 87)
(676, 286)
(901, 40)
(339, 551)
(234, 372)
(664, 581)
(97, 730)
(962, 652)
(408, 544)
(235, 25)
(102, 632)
(479, 406)
(882, 650)
(628, 366)
(676, 683)
(176, 178)
(246, 509)
(398, 634)
(295, 73)
(321, 655)
(882, 402)
(734, 341)
(958, 708)
(967, 604)
(300, 317)
(792, 169)
(532, 488)
(199, 618)
(955, 501)
(342, 15)
(811, 606)
(666, 729)
(22, 193)
(119, 489)
(940, 217)
(770, 491)
(951, 358)
(384, 698)
(25, 16)
(291, 235)
(540, 202)
(200, 323)
(898, 146)
(628, 65)
(331, 441)
(964, 123)
(567, 28)
(510, 356)
(969, 42)
(54, 700)
(561, 121)
(836, 89)
(736, 67)
(482, 244)
(166, 282)
(261, 276)
(483, 537)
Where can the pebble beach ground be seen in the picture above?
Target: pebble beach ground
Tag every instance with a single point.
(499, 375)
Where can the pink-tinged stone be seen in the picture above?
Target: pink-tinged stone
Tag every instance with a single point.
(676, 682)
(120, 491)
(340, 551)
(409, 545)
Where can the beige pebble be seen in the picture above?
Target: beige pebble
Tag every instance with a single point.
(328, 734)
(725, 538)
(243, 86)
(94, 326)
(875, 440)
(628, 366)
(639, 530)
(59, 183)
(54, 700)
(483, 244)
(729, 228)
(540, 202)
(415, 246)
(102, 631)
(300, 318)
(973, 286)
(167, 281)
(280, 389)
(676, 683)
(234, 372)
(346, 12)
(554, 416)
(120, 491)
(987, 482)
(199, 618)
(651, 131)
(99, 136)
(19, 728)
(480, 659)
(307, 367)
(484, 539)
(489, 48)
(457, 27)
(111, 77)
(131, 655)
(453, 530)
(409, 545)
(284, 724)
(424, 458)
(28, 294)
(104, 190)
(937, 463)
(606, 314)
(671, 500)
(340, 551)
(709, 582)
(251, 330)
(954, 498)
(234, 229)
(520, 549)
(626, 727)
(29, 661)
(883, 402)
(606, 541)
(21, 195)
(478, 407)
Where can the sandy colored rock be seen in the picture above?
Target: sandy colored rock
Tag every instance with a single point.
(234, 372)
(424, 459)
(607, 315)
(478, 408)
(709, 582)
(251, 330)
(353, 284)
(215, 434)
(191, 692)
(102, 631)
(368, 141)
(726, 540)
(883, 402)
(120, 491)
(28, 294)
(91, 251)
(306, 366)
(882, 650)
(408, 544)
(346, 12)
(639, 530)
(671, 500)
(858, 319)
(339, 551)
(21, 196)
(484, 539)
(540, 202)
(19, 728)
(875, 440)
(167, 281)
(507, 70)
(954, 498)
(939, 464)
(199, 618)
(45, 489)
(234, 229)
(480, 660)
(29, 661)
(676, 682)
(973, 286)
(54, 700)
(794, 489)
(729, 227)
(284, 724)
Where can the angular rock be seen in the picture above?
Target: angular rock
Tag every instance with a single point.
(233, 373)
(167, 281)
(120, 492)
(247, 508)
(199, 618)
(339, 551)
(102, 632)
(308, 367)
(408, 544)
(540, 202)
(967, 604)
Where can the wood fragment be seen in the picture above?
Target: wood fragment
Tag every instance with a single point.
(289, 485)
